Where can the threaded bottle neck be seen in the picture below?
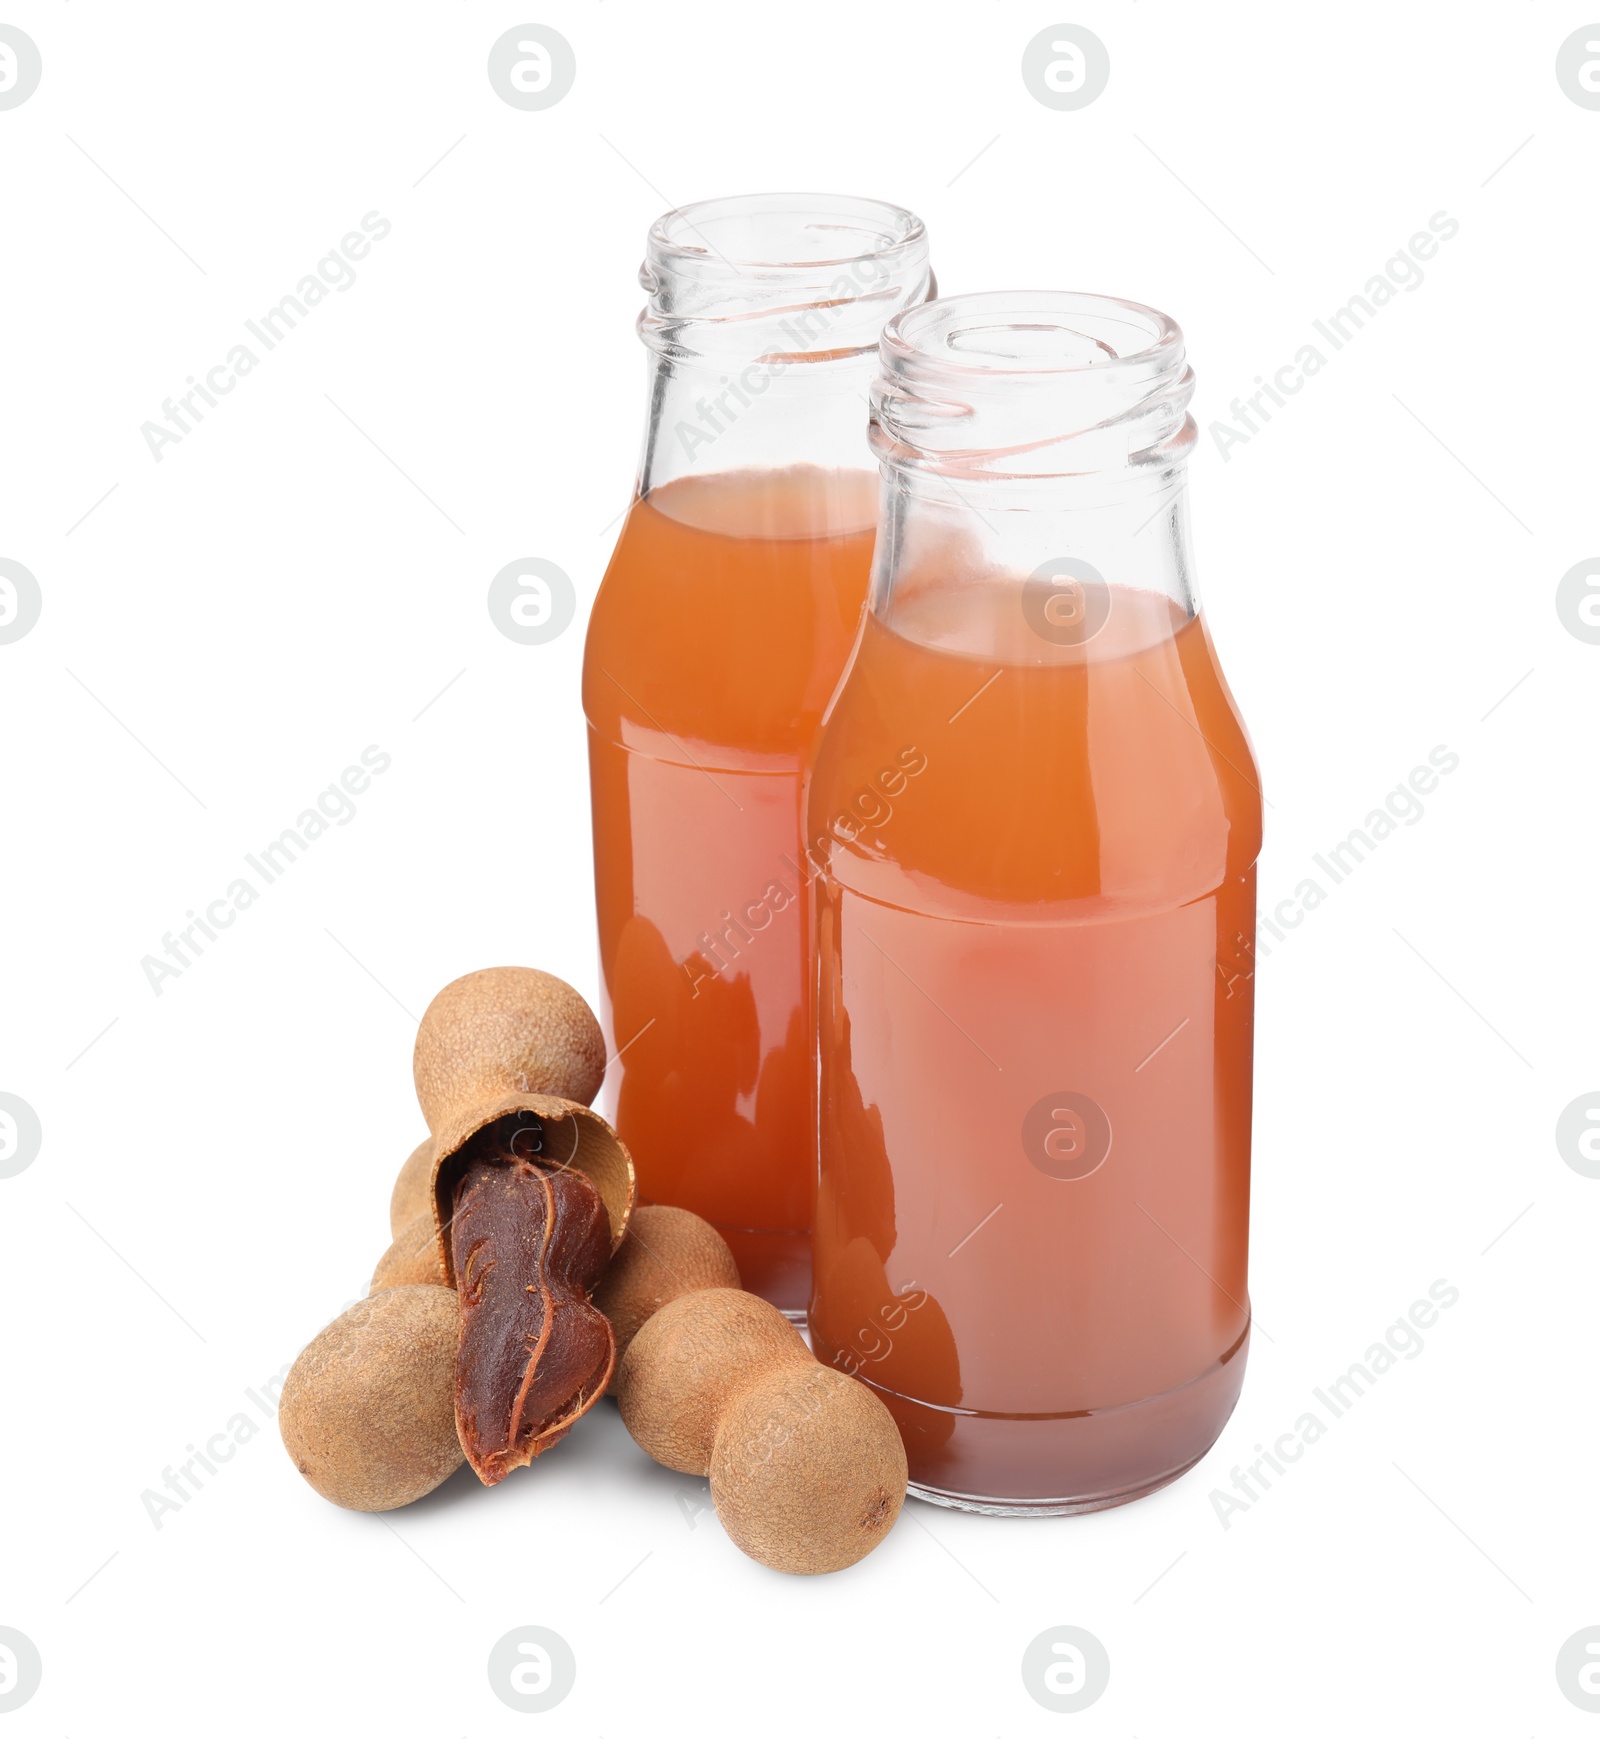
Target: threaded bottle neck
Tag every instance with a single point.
(1018, 385)
(780, 278)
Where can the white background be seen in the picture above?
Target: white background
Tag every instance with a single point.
(228, 628)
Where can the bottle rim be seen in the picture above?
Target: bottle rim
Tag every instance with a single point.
(707, 230)
(1031, 383)
(780, 277)
(930, 332)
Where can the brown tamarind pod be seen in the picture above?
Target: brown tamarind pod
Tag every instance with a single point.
(808, 1471)
(687, 1362)
(667, 1252)
(413, 1259)
(531, 1193)
(807, 1468)
(511, 1040)
(413, 1188)
(366, 1413)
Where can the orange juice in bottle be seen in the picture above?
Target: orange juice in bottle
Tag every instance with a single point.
(718, 634)
(1033, 819)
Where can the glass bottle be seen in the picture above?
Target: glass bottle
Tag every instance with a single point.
(1034, 817)
(718, 634)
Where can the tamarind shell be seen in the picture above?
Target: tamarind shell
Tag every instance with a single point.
(575, 1138)
(511, 1039)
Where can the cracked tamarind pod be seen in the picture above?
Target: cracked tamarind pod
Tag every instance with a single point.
(531, 1194)
(505, 1043)
(529, 1240)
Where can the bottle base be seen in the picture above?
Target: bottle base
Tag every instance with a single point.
(1061, 1464)
(1044, 1506)
(775, 1266)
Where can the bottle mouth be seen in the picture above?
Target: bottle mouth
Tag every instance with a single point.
(1031, 383)
(780, 277)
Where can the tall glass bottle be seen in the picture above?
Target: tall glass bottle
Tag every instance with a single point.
(719, 631)
(1035, 815)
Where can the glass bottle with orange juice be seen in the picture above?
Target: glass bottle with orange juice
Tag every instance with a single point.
(1033, 819)
(718, 634)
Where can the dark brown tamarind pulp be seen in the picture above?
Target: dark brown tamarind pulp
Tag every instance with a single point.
(529, 1242)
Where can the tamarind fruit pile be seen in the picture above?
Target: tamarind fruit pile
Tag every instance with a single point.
(524, 1283)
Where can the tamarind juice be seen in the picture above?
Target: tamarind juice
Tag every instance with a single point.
(716, 639)
(1035, 916)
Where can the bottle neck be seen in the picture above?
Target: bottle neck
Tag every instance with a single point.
(1124, 529)
(767, 413)
(763, 320)
(1039, 440)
